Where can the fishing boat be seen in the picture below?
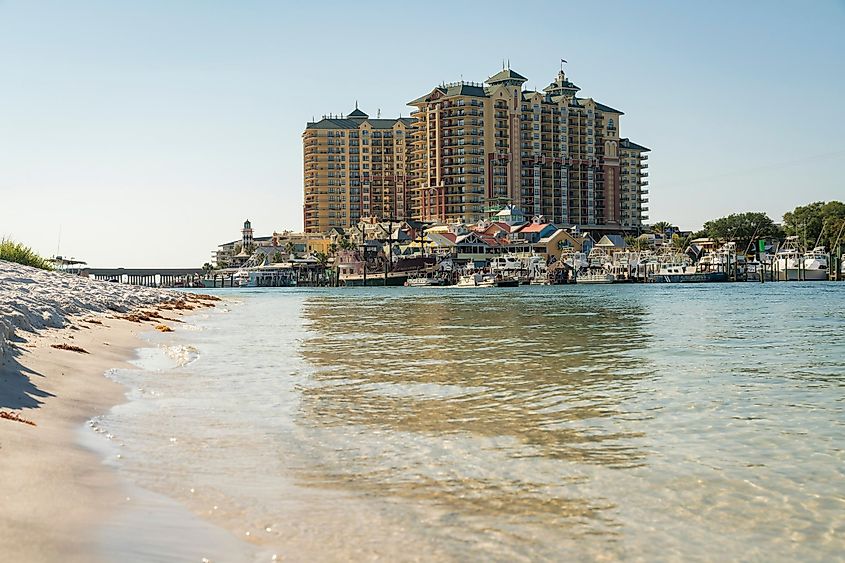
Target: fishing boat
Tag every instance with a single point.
(426, 281)
(474, 279)
(595, 277)
(681, 273)
(478, 279)
(816, 264)
(791, 264)
(506, 264)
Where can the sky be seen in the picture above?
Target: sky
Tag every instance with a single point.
(143, 134)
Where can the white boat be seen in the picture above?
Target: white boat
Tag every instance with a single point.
(265, 276)
(426, 281)
(816, 265)
(595, 277)
(681, 273)
(791, 264)
(507, 263)
(575, 260)
(474, 279)
(478, 279)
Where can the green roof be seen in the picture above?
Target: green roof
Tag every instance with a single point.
(326, 123)
(456, 89)
(466, 90)
(607, 109)
(355, 123)
(506, 75)
(629, 144)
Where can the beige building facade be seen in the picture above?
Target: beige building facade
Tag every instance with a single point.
(477, 146)
(471, 148)
(354, 167)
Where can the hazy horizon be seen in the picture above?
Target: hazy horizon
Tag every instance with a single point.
(147, 133)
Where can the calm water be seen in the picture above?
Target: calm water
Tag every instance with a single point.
(536, 423)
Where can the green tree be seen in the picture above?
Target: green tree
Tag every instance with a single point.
(742, 228)
(680, 242)
(207, 267)
(817, 221)
(290, 248)
(322, 258)
(346, 244)
(661, 227)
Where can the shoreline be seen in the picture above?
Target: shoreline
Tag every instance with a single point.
(54, 489)
(57, 492)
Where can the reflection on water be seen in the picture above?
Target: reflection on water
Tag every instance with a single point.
(534, 423)
(476, 403)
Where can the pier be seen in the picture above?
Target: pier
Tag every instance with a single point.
(149, 277)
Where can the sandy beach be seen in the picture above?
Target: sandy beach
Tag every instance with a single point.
(53, 491)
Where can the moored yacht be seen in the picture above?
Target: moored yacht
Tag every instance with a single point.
(596, 277)
(681, 273)
(791, 264)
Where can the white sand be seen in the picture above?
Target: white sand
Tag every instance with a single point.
(54, 494)
(33, 299)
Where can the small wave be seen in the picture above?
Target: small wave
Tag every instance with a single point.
(182, 354)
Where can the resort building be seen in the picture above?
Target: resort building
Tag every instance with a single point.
(354, 167)
(475, 147)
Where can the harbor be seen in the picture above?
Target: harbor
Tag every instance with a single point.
(508, 253)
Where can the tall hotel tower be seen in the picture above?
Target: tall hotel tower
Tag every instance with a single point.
(470, 148)
(477, 146)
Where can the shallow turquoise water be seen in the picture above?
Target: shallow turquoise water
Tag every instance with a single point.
(650, 422)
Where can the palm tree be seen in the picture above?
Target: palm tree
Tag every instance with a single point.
(661, 227)
(290, 248)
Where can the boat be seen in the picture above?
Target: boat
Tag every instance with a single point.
(426, 281)
(478, 279)
(374, 279)
(506, 264)
(791, 264)
(474, 279)
(595, 277)
(816, 265)
(264, 276)
(505, 281)
(681, 273)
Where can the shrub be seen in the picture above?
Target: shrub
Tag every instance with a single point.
(12, 251)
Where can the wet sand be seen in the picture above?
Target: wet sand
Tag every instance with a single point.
(56, 494)
(54, 491)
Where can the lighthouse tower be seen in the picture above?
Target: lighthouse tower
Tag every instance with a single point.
(247, 235)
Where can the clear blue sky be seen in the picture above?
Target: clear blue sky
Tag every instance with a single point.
(148, 131)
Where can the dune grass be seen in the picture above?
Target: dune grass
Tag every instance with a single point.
(12, 251)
